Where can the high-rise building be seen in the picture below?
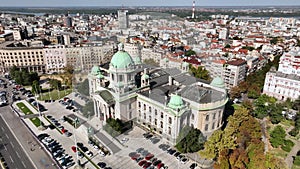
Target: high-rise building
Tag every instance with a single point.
(123, 19)
(68, 21)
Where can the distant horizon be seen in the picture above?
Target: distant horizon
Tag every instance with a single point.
(266, 6)
(147, 3)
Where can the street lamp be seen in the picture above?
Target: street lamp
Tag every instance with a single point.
(75, 125)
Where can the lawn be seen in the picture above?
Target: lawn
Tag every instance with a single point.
(279, 153)
(36, 121)
(54, 94)
(24, 108)
(295, 167)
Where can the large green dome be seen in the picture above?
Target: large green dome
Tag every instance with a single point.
(218, 82)
(121, 60)
(176, 102)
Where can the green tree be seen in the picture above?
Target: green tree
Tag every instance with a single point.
(227, 46)
(277, 136)
(55, 84)
(239, 145)
(199, 72)
(36, 88)
(190, 53)
(191, 142)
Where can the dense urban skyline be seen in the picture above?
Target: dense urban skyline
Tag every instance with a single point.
(57, 3)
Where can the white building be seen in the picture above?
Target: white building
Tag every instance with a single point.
(55, 58)
(123, 19)
(158, 99)
(285, 83)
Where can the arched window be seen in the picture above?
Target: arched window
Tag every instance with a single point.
(207, 117)
(193, 116)
(206, 127)
(169, 131)
(161, 124)
(170, 120)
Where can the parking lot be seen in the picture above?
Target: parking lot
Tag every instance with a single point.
(132, 141)
(122, 160)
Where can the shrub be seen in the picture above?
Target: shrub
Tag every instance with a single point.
(297, 160)
(287, 145)
(294, 132)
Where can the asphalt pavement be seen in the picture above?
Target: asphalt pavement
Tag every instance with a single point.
(25, 142)
(11, 150)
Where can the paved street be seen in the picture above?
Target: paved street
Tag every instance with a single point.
(26, 140)
(11, 150)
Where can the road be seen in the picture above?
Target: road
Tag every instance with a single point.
(26, 142)
(11, 150)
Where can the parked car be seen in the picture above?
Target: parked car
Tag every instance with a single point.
(74, 149)
(89, 153)
(101, 164)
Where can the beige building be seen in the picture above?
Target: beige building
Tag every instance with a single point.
(22, 56)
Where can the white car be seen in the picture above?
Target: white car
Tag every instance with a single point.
(96, 147)
(124, 140)
(89, 154)
(101, 153)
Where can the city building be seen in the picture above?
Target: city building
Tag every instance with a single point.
(55, 58)
(28, 55)
(281, 85)
(234, 72)
(123, 19)
(285, 83)
(162, 100)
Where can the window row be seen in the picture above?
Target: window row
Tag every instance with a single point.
(214, 115)
(150, 118)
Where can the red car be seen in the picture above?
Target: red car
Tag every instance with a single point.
(146, 165)
(160, 165)
(141, 163)
(149, 156)
(73, 149)
(134, 157)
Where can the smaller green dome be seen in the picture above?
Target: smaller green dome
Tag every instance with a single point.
(218, 82)
(176, 102)
(145, 76)
(185, 64)
(165, 59)
(95, 70)
(99, 76)
(137, 60)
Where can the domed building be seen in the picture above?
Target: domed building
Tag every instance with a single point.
(218, 82)
(162, 100)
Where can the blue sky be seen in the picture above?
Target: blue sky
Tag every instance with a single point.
(149, 2)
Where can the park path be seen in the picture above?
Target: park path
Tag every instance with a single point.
(289, 158)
